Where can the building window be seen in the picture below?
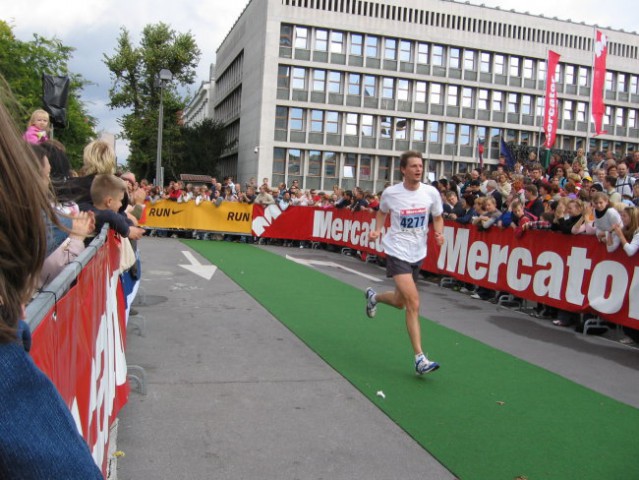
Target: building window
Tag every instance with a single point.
(337, 42)
(365, 170)
(515, 66)
(583, 77)
(420, 92)
(541, 71)
(436, 93)
(434, 132)
(453, 96)
(319, 80)
(314, 163)
(385, 126)
(464, 135)
(632, 118)
(388, 88)
(283, 76)
(419, 130)
(357, 44)
(301, 38)
(513, 103)
(438, 55)
(286, 35)
(281, 118)
(370, 86)
(482, 102)
(526, 104)
(330, 164)
(372, 46)
(352, 120)
(390, 49)
(485, 62)
(609, 81)
(567, 111)
(569, 75)
(622, 85)
(333, 123)
(498, 101)
(402, 90)
(279, 160)
(405, 51)
(368, 126)
(499, 64)
(422, 53)
(401, 128)
(299, 78)
(454, 59)
(297, 119)
(541, 102)
(294, 162)
(383, 168)
(317, 121)
(581, 111)
(529, 68)
(451, 134)
(608, 116)
(467, 98)
(620, 117)
(335, 82)
(470, 60)
(634, 84)
(354, 84)
(321, 40)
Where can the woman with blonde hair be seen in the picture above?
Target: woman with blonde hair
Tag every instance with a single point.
(38, 436)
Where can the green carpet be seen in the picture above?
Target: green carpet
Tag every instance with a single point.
(484, 415)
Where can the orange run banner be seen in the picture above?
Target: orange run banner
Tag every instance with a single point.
(229, 217)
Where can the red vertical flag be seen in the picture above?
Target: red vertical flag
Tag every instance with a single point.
(599, 82)
(551, 107)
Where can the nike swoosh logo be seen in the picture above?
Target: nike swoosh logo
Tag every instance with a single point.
(175, 212)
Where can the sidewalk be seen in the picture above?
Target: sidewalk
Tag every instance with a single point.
(232, 394)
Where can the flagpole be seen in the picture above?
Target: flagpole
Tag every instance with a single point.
(592, 78)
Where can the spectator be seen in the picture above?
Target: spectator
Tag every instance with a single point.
(534, 204)
(264, 197)
(624, 180)
(285, 201)
(107, 194)
(628, 230)
(453, 208)
(489, 215)
(605, 220)
(98, 159)
(38, 128)
(345, 201)
(38, 436)
(609, 185)
(536, 174)
(491, 191)
(503, 185)
(360, 204)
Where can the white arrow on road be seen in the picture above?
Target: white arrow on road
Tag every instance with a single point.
(204, 271)
(321, 263)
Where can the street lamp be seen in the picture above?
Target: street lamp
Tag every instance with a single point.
(162, 79)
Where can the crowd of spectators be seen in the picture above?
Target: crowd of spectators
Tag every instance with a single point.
(596, 195)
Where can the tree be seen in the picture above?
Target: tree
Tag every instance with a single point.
(134, 71)
(22, 64)
(198, 150)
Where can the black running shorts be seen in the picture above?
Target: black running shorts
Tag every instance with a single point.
(395, 266)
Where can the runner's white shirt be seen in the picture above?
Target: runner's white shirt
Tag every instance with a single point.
(409, 209)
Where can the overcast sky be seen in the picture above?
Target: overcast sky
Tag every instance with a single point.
(92, 27)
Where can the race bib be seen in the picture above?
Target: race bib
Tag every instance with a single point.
(412, 220)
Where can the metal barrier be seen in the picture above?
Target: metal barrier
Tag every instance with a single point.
(47, 297)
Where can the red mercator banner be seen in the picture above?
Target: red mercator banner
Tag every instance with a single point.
(80, 346)
(599, 82)
(551, 110)
(571, 272)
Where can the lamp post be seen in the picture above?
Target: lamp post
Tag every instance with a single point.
(162, 78)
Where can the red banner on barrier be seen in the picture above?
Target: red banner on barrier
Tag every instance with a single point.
(80, 346)
(574, 273)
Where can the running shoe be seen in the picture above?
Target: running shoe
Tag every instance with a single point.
(422, 366)
(371, 307)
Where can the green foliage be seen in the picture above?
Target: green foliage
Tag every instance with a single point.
(22, 64)
(198, 150)
(134, 70)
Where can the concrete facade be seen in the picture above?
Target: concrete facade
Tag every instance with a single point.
(331, 91)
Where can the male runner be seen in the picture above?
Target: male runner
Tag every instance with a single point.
(409, 204)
